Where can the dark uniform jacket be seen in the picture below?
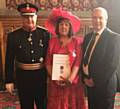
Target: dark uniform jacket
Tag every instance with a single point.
(25, 47)
(105, 57)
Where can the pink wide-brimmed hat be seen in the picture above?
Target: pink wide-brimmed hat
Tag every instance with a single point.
(57, 13)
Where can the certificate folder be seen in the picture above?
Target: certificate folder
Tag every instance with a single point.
(61, 66)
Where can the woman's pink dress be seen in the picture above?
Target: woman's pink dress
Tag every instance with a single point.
(65, 97)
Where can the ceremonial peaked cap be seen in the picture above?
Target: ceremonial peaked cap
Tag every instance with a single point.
(27, 9)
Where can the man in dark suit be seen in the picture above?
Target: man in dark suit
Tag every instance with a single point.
(26, 50)
(100, 62)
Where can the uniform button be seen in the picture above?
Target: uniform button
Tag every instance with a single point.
(32, 51)
(33, 60)
(20, 46)
(31, 43)
(30, 34)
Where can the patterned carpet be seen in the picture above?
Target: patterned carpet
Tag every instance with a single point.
(8, 101)
(117, 101)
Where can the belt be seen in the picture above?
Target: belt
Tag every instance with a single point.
(33, 66)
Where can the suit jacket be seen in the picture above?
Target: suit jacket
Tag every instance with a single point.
(105, 58)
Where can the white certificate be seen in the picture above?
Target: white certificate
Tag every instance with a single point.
(61, 66)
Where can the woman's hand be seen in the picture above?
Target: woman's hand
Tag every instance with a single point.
(63, 81)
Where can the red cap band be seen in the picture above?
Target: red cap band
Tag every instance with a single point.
(26, 10)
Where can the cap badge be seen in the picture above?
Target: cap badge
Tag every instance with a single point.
(27, 6)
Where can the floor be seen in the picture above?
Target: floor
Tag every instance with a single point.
(8, 101)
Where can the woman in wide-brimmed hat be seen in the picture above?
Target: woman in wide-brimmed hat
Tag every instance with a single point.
(65, 90)
(58, 13)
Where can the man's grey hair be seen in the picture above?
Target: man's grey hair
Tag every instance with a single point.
(103, 10)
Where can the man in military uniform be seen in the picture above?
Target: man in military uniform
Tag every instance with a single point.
(26, 51)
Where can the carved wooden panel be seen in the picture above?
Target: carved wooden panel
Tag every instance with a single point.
(1, 50)
(49, 4)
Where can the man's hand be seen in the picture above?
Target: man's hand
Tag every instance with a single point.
(89, 82)
(9, 87)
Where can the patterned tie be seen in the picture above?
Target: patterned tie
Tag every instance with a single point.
(88, 51)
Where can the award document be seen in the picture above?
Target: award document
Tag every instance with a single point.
(61, 66)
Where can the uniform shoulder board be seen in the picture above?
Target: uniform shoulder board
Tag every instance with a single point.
(17, 28)
(42, 27)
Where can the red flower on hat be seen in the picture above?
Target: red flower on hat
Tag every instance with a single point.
(57, 13)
